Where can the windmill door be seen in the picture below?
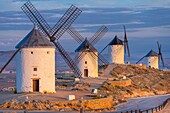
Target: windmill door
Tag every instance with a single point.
(85, 72)
(36, 85)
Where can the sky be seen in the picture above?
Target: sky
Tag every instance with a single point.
(147, 21)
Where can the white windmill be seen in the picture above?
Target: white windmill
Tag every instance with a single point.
(87, 56)
(35, 54)
(153, 58)
(35, 64)
(117, 49)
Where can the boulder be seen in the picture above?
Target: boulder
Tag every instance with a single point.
(94, 91)
(71, 97)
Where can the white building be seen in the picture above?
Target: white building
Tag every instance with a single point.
(88, 63)
(152, 59)
(116, 51)
(35, 64)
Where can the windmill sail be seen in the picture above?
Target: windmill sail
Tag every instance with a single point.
(91, 42)
(126, 42)
(57, 31)
(160, 53)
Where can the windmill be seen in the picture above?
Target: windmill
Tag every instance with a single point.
(35, 73)
(154, 58)
(117, 48)
(53, 33)
(87, 56)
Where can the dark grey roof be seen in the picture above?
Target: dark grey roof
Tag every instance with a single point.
(151, 53)
(116, 41)
(34, 39)
(84, 47)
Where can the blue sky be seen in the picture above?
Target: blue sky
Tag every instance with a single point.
(144, 19)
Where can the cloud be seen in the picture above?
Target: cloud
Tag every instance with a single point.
(150, 32)
(114, 24)
(56, 15)
(10, 18)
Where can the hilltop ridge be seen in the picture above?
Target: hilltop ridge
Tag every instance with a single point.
(144, 81)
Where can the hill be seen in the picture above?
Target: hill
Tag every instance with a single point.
(143, 81)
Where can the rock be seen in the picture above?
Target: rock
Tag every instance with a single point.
(76, 79)
(55, 108)
(6, 104)
(94, 91)
(71, 97)
(30, 107)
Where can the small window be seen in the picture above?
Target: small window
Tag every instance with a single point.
(35, 69)
(31, 52)
(85, 62)
(48, 52)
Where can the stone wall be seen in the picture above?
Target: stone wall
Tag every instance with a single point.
(126, 82)
(93, 104)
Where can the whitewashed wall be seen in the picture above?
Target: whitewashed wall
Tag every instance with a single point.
(92, 64)
(153, 62)
(44, 60)
(116, 54)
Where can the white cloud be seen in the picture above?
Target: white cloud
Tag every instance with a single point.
(150, 32)
(10, 18)
(96, 25)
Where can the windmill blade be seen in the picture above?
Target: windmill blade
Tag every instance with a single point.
(104, 48)
(79, 57)
(160, 53)
(100, 57)
(126, 42)
(10, 60)
(75, 35)
(159, 48)
(65, 22)
(36, 18)
(98, 35)
(140, 59)
(162, 61)
(68, 59)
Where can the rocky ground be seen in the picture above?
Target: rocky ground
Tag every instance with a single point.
(144, 82)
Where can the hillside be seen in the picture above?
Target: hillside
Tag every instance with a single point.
(144, 81)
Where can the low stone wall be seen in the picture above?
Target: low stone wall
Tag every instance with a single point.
(93, 104)
(126, 82)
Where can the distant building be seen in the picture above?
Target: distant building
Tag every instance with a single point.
(88, 64)
(35, 64)
(152, 59)
(116, 51)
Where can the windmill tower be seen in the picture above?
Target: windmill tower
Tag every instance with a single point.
(57, 31)
(35, 64)
(89, 63)
(87, 56)
(117, 49)
(153, 58)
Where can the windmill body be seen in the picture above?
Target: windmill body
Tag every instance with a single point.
(88, 64)
(116, 51)
(152, 59)
(35, 64)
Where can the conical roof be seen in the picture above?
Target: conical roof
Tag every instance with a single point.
(85, 47)
(116, 41)
(34, 39)
(151, 53)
